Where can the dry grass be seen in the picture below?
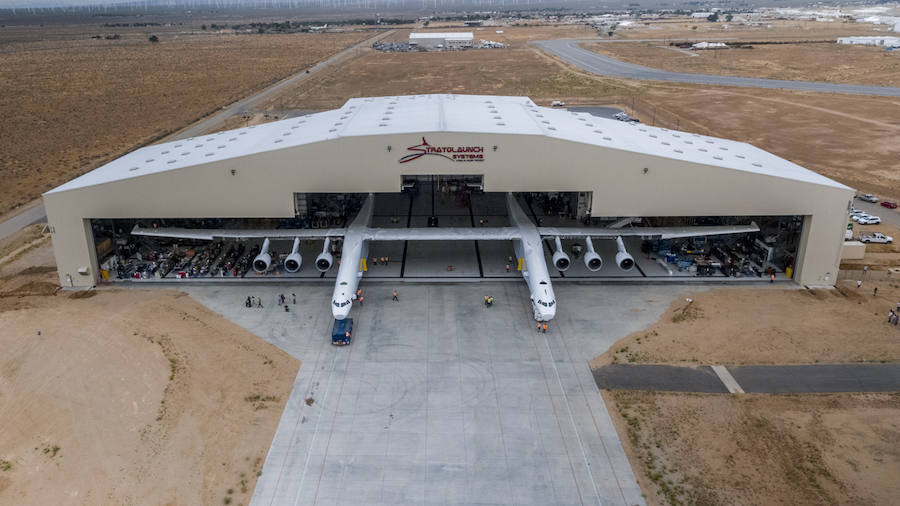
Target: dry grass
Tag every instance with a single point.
(759, 449)
(775, 326)
(70, 104)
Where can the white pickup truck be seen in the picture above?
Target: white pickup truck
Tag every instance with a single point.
(876, 238)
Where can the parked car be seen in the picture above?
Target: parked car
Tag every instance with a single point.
(868, 198)
(854, 211)
(889, 205)
(876, 238)
(871, 220)
(857, 217)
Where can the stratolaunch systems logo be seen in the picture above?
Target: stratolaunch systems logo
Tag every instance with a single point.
(452, 153)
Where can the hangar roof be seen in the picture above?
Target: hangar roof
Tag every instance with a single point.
(416, 114)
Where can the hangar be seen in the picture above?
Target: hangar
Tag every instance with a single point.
(442, 177)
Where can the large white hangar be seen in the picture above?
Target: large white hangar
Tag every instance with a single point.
(448, 185)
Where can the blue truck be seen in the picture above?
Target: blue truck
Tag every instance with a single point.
(341, 332)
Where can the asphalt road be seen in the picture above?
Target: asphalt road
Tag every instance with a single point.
(572, 52)
(36, 214)
(768, 379)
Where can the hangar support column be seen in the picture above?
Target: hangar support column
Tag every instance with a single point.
(73, 247)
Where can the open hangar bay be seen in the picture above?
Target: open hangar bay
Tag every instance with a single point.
(206, 206)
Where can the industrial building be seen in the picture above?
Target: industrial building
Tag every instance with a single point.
(432, 41)
(441, 185)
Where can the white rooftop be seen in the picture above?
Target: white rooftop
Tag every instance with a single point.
(415, 114)
(441, 35)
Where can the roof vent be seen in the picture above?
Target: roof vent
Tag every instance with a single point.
(665, 143)
(551, 128)
(338, 123)
(333, 130)
(232, 139)
(580, 119)
(708, 141)
(500, 123)
(607, 138)
(178, 145)
(589, 124)
(703, 149)
(171, 161)
(220, 147)
(679, 151)
(209, 154)
(278, 140)
(199, 146)
(242, 133)
(148, 160)
(688, 142)
(757, 164)
(717, 157)
(285, 134)
(185, 153)
(642, 129)
(723, 148)
(133, 168)
(653, 135)
(675, 135)
(598, 131)
(545, 122)
(210, 139)
(382, 124)
(740, 156)
(166, 152)
(382, 119)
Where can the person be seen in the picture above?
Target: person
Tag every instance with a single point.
(891, 316)
(485, 300)
(387, 260)
(358, 292)
(395, 296)
(509, 259)
(259, 302)
(772, 278)
(858, 283)
(294, 297)
(875, 292)
(374, 261)
(490, 300)
(361, 299)
(539, 326)
(286, 310)
(347, 334)
(248, 303)
(507, 267)
(545, 327)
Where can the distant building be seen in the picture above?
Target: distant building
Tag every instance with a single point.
(709, 45)
(701, 15)
(871, 41)
(441, 40)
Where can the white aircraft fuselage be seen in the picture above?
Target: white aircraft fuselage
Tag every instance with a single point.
(534, 267)
(355, 248)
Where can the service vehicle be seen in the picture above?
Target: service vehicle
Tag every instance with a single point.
(877, 238)
(341, 332)
(868, 198)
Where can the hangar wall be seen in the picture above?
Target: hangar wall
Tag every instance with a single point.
(263, 185)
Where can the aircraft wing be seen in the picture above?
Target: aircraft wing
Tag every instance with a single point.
(443, 234)
(208, 234)
(646, 232)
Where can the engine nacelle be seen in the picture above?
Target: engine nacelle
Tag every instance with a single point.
(623, 259)
(293, 261)
(560, 258)
(262, 261)
(325, 259)
(592, 260)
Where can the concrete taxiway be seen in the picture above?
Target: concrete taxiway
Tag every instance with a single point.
(440, 400)
(572, 52)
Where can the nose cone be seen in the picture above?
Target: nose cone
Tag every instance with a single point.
(548, 313)
(340, 312)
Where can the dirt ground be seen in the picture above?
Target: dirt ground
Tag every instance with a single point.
(73, 103)
(798, 62)
(127, 396)
(773, 29)
(761, 449)
(735, 326)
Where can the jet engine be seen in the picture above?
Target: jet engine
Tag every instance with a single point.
(293, 261)
(623, 259)
(560, 258)
(264, 259)
(591, 259)
(324, 260)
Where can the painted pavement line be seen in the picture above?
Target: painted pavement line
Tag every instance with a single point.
(727, 379)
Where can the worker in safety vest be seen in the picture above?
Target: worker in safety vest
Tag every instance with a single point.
(545, 328)
(347, 334)
(395, 296)
(361, 298)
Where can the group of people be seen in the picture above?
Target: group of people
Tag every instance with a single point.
(383, 260)
(254, 301)
(894, 316)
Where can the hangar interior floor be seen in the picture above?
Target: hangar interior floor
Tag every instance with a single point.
(469, 260)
